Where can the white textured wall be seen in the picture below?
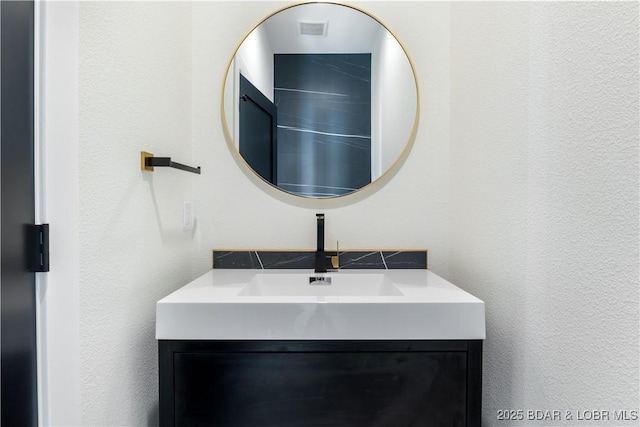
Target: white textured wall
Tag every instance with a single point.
(541, 101)
(544, 200)
(150, 78)
(410, 211)
(135, 94)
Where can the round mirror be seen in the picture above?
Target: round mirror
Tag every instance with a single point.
(320, 100)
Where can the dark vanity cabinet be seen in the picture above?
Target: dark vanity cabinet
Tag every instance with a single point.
(320, 383)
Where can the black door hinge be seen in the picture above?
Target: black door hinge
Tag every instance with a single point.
(39, 248)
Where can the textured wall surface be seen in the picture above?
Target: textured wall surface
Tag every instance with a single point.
(135, 94)
(150, 79)
(544, 200)
(522, 183)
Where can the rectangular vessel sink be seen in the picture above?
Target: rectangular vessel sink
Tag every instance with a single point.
(310, 284)
(239, 304)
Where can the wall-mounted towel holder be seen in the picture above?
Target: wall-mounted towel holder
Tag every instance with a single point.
(148, 162)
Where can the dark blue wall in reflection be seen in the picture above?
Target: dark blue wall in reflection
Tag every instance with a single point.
(324, 122)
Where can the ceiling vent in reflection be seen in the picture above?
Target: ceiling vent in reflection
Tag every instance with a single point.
(313, 28)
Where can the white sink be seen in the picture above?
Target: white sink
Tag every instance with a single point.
(283, 305)
(311, 284)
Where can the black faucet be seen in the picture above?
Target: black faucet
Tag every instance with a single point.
(321, 258)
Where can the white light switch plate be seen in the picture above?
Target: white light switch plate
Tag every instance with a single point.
(187, 216)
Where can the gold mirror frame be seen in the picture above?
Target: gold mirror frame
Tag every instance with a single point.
(384, 176)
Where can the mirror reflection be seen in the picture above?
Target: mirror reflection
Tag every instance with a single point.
(320, 100)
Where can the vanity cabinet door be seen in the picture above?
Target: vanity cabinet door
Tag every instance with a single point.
(320, 389)
(317, 384)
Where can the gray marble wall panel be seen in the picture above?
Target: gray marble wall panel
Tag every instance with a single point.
(324, 122)
(378, 259)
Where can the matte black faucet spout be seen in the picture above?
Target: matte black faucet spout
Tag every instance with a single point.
(321, 262)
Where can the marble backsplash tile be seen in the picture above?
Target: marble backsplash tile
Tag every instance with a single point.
(265, 259)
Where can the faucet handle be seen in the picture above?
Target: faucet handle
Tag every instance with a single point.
(335, 260)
